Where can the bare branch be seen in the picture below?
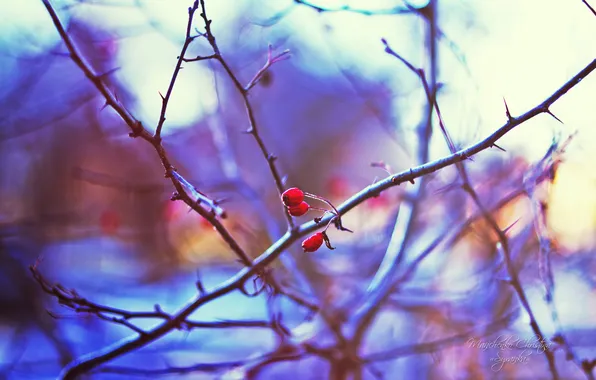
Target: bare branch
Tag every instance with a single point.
(589, 7)
(253, 126)
(165, 99)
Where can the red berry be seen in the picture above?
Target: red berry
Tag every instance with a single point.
(109, 222)
(299, 210)
(292, 197)
(313, 243)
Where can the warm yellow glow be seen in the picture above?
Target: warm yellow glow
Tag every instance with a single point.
(572, 211)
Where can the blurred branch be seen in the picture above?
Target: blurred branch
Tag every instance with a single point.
(381, 285)
(456, 234)
(203, 367)
(468, 187)
(247, 368)
(406, 8)
(439, 344)
(74, 301)
(548, 165)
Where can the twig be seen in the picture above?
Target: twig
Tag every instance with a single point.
(271, 59)
(589, 7)
(406, 8)
(165, 99)
(71, 299)
(244, 91)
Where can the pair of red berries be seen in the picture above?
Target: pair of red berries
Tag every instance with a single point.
(293, 199)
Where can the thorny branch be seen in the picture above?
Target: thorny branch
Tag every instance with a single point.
(548, 164)
(468, 188)
(244, 93)
(180, 184)
(71, 299)
(589, 7)
(165, 99)
(180, 317)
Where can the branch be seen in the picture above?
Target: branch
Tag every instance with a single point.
(165, 99)
(253, 126)
(180, 184)
(468, 187)
(589, 7)
(74, 301)
(137, 129)
(247, 367)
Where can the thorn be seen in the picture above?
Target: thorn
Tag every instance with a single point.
(271, 157)
(107, 73)
(557, 338)
(51, 314)
(104, 106)
(507, 113)
(381, 165)
(162, 97)
(498, 147)
(412, 179)
(553, 115)
(201, 288)
(137, 130)
(506, 230)
(446, 188)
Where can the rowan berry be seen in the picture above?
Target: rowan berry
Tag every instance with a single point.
(313, 242)
(299, 210)
(292, 197)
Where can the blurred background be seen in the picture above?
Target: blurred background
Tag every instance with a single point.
(91, 206)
